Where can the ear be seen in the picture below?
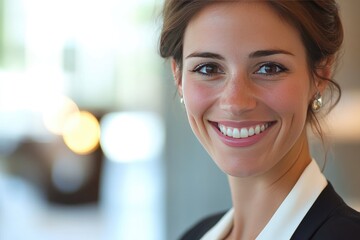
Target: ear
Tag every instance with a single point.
(177, 76)
(323, 72)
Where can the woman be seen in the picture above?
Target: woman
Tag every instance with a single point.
(251, 75)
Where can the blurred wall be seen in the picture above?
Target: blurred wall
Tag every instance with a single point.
(343, 165)
(195, 186)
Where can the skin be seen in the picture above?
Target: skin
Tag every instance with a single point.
(240, 69)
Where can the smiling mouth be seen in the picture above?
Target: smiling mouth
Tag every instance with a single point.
(244, 132)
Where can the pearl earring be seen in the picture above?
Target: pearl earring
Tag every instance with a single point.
(182, 100)
(317, 102)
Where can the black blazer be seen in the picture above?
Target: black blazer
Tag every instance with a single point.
(329, 218)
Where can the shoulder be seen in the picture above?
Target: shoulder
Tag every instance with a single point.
(201, 227)
(343, 223)
(329, 218)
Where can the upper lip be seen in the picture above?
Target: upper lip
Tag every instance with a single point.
(244, 124)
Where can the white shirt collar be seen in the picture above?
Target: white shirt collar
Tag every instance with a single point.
(290, 213)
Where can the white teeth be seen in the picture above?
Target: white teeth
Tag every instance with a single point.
(229, 132)
(236, 133)
(243, 132)
(222, 128)
(257, 129)
(251, 132)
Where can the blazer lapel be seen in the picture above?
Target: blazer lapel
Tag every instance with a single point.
(327, 201)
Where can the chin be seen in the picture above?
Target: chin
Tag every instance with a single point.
(240, 169)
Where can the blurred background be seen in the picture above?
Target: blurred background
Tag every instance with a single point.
(93, 141)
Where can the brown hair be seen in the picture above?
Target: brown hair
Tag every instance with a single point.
(317, 21)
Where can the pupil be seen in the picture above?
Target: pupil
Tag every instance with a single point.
(270, 69)
(209, 69)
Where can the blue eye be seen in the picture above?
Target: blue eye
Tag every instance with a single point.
(270, 69)
(208, 69)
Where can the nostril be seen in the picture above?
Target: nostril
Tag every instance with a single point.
(238, 104)
(238, 96)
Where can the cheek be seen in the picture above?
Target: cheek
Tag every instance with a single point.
(197, 98)
(290, 100)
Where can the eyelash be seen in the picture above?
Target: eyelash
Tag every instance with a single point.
(279, 69)
(198, 68)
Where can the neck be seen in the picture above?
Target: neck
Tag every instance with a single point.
(255, 199)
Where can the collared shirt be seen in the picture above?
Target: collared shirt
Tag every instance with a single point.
(288, 216)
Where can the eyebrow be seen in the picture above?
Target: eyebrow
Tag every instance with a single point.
(265, 53)
(256, 54)
(206, 55)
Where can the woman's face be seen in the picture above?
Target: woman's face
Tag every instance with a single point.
(246, 86)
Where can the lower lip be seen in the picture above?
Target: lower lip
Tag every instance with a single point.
(242, 142)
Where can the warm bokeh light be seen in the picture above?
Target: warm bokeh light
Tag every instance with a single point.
(57, 113)
(82, 133)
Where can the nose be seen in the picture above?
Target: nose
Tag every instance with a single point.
(238, 96)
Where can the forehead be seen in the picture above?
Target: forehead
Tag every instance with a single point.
(241, 26)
